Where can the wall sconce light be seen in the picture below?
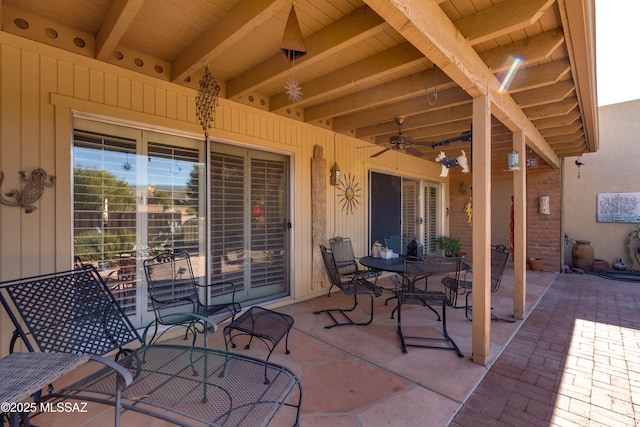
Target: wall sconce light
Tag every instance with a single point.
(334, 177)
(543, 205)
(513, 162)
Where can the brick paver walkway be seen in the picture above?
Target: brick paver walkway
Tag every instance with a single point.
(574, 362)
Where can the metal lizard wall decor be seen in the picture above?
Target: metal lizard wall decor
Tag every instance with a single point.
(31, 192)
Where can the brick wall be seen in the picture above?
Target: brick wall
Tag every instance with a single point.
(544, 237)
(543, 231)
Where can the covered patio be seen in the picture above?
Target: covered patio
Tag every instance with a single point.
(570, 362)
(514, 76)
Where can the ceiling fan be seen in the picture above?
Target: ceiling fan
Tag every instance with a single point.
(406, 143)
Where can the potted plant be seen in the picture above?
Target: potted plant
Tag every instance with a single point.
(449, 245)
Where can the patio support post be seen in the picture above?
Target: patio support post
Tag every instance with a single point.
(481, 193)
(520, 229)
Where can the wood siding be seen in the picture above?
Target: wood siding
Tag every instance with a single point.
(41, 88)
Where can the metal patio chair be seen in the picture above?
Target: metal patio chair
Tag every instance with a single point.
(408, 293)
(457, 286)
(175, 294)
(347, 262)
(355, 285)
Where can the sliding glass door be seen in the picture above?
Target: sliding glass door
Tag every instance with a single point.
(138, 193)
(404, 206)
(249, 220)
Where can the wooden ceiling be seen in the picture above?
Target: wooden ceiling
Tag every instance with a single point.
(367, 61)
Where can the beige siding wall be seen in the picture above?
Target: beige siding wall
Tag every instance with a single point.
(611, 169)
(42, 87)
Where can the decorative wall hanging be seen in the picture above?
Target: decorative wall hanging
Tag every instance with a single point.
(31, 192)
(544, 205)
(618, 207)
(349, 193)
(293, 47)
(468, 210)
(451, 162)
(207, 100)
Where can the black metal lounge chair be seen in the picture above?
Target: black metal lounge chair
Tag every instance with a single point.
(75, 312)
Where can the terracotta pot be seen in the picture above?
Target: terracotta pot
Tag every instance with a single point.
(582, 254)
(535, 264)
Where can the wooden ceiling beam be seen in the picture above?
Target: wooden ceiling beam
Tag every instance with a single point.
(579, 22)
(531, 50)
(562, 130)
(375, 67)
(343, 33)
(552, 110)
(546, 95)
(430, 134)
(501, 19)
(425, 25)
(244, 18)
(578, 151)
(445, 115)
(536, 77)
(446, 98)
(551, 122)
(114, 26)
(397, 90)
(566, 139)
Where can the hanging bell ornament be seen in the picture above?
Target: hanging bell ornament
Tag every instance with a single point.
(207, 100)
(292, 44)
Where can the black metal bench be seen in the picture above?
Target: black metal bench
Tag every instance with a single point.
(75, 312)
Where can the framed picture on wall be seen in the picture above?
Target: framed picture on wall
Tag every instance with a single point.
(618, 207)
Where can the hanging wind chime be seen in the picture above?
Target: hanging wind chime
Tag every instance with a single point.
(207, 100)
(293, 47)
(578, 164)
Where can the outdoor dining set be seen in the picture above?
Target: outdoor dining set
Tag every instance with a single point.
(67, 319)
(409, 270)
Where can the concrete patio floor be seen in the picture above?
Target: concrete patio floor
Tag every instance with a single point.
(573, 361)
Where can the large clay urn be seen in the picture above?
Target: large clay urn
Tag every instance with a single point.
(582, 254)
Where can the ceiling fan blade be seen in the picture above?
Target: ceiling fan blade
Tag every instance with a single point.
(464, 137)
(413, 151)
(380, 152)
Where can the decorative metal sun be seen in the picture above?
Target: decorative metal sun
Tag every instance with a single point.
(349, 193)
(294, 90)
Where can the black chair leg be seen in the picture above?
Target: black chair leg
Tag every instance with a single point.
(452, 345)
(468, 309)
(345, 315)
